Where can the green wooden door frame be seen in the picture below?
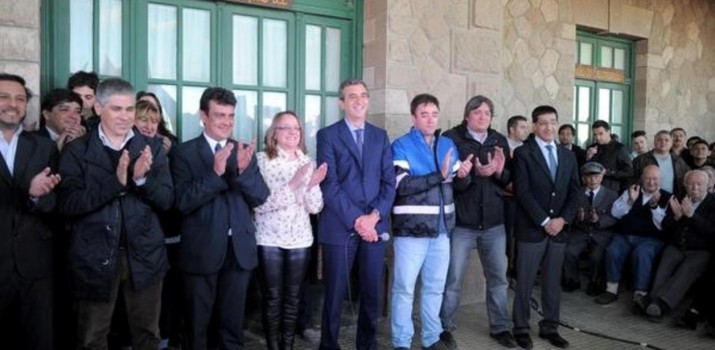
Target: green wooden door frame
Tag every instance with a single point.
(598, 43)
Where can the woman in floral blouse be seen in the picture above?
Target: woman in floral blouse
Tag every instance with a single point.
(284, 234)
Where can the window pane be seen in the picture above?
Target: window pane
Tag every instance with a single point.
(273, 102)
(162, 41)
(167, 98)
(275, 53)
(191, 125)
(245, 50)
(312, 57)
(332, 59)
(584, 104)
(246, 107)
(110, 37)
(332, 110)
(617, 107)
(618, 131)
(586, 54)
(81, 40)
(583, 134)
(312, 121)
(196, 41)
(606, 57)
(619, 59)
(604, 104)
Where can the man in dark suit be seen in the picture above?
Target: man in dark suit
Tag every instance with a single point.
(546, 186)
(566, 138)
(592, 229)
(26, 197)
(217, 184)
(358, 191)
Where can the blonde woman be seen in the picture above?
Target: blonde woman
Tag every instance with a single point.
(284, 234)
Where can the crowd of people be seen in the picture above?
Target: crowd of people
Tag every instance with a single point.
(105, 213)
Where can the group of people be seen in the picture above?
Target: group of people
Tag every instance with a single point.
(103, 207)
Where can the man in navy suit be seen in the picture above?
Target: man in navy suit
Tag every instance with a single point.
(358, 191)
(547, 187)
(217, 184)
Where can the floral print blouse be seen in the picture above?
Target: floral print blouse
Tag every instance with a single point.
(283, 220)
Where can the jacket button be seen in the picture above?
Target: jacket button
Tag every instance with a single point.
(553, 194)
(551, 211)
(109, 228)
(105, 262)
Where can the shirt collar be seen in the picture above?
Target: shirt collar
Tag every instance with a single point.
(353, 127)
(595, 192)
(52, 133)
(14, 138)
(105, 140)
(543, 143)
(212, 142)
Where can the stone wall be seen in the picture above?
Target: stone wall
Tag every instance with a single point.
(20, 45)
(521, 53)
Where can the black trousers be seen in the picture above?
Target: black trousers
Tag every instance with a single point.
(26, 306)
(281, 275)
(223, 292)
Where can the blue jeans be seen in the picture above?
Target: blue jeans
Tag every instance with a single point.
(425, 257)
(643, 251)
(491, 246)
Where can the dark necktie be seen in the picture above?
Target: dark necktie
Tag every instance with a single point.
(217, 148)
(552, 162)
(359, 141)
(590, 198)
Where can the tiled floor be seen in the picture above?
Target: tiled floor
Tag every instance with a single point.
(577, 310)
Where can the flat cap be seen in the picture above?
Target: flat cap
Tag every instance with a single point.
(591, 168)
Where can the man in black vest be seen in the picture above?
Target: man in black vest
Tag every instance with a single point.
(641, 209)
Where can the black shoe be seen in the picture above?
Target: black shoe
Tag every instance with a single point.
(606, 298)
(640, 302)
(555, 339)
(689, 320)
(654, 313)
(438, 345)
(504, 338)
(523, 340)
(570, 286)
(448, 340)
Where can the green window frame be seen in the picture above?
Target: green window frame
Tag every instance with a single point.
(343, 17)
(603, 86)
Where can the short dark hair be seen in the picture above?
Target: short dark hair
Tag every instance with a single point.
(82, 78)
(638, 133)
(700, 141)
(692, 139)
(601, 124)
(18, 79)
(350, 82)
(422, 99)
(541, 110)
(217, 94)
(568, 126)
(678, 129)
(57, 97)
(513, 120)
(477, 101)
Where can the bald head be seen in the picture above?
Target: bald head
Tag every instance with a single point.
(650, 179)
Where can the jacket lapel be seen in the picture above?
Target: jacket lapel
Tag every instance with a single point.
(23, 156)
(539, 158)
(205, 152)
(5, 171)
(347, 138)
(95, 153)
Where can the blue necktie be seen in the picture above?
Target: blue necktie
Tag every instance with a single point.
(359, 141)
(217, 148)
(552, 162)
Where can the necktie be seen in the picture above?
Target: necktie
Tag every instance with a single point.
(358, 140)
(590, 198)
(217, 148)
(552, 161)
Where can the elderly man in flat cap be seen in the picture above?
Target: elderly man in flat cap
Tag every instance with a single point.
(591, 231)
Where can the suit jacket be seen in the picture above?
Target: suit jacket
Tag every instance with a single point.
(602, 203)
(695, 233)
(211, 204)
(679, 169)
(539, 197)
(25, 232)
(354, 186)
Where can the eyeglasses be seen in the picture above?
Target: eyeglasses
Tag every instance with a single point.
(288, 128)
